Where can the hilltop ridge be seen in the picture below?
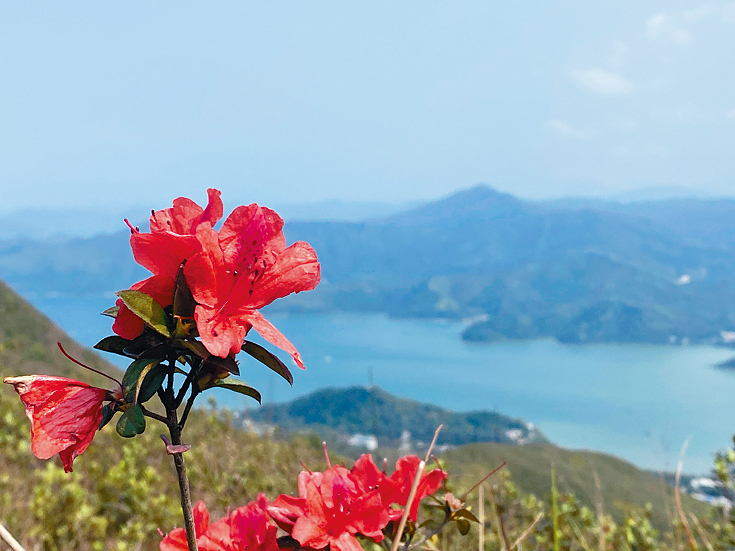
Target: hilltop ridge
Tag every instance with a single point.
(373, 411)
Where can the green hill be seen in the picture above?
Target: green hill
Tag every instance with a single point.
(361, 410)
(28, 344)
(476, 443)
(578, 472)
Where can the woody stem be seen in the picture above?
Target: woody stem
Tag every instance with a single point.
(175, 431)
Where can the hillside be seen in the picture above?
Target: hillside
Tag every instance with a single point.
(530, 467)
(473, 444)
(28, 344)
(360, 410)
(121, 490)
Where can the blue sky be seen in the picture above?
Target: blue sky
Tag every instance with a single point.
(135, 103)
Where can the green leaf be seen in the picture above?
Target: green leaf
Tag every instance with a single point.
(463, 525)
(149, 381)
(113, 344)
(141, 344)
(107, 413)
(142, 369)
(223, 364)
(236, 385)
(464, 513)
(147, 309)
(111, 311)
(195, 346)
(131, 422)
(268, 359)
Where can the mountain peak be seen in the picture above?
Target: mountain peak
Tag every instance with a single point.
(480, 198)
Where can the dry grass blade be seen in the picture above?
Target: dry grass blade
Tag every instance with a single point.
(700, 531)
(502, 536)
(9, 539)
(481, 518)
(414, 488)
(600, 509)
(526, 532)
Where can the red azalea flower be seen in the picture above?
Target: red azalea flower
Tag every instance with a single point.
(185, 216)
(172, 241)
(396, 488)
(331, 509)
(403, 477)
(241, 269)
(176, 540)
(64, 414)
(247, 528)
(250, 527)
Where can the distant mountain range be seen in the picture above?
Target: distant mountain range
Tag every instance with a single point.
(575, 270)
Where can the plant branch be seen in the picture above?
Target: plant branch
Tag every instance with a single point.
(155, 416)
(184, 388)
(187, 409)
(175, 430)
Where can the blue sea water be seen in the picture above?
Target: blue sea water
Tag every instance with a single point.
(639, 402)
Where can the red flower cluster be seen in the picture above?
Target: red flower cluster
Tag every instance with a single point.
(232, 272)
(333, 507)
(337, 504)
(247, 528)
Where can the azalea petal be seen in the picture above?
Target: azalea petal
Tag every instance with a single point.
(201, 517)
(175, 219)
(214, 211)
(335, 485)
(251, 234)
(285, 509)
(430, 483)
(222, 336)
(186, 215)
(205, 270)
(127, 325)
(266, 330)
(175, 540)
(162, 253)
(310, 534)
(216, 537)
(64, 414)
(345, 542)
(251, 528)
(296, 269)
(370, 516)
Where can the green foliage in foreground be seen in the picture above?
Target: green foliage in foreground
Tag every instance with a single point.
(122, 491)
(594, 478)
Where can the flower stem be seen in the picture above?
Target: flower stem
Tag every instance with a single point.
(175, 431)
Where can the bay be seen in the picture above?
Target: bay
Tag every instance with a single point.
(639, 402)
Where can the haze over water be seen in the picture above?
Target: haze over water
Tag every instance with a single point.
(639, 402)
